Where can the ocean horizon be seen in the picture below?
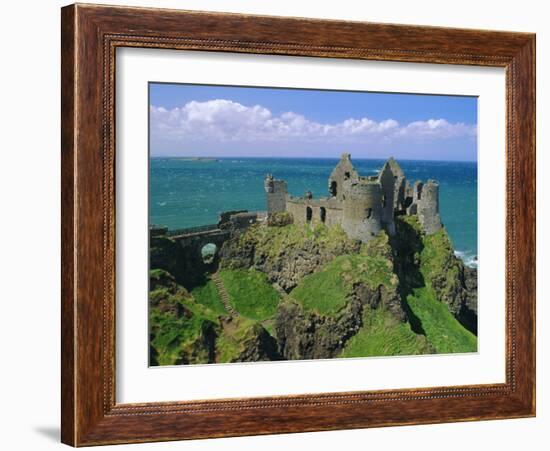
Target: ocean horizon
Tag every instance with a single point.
(190, 191)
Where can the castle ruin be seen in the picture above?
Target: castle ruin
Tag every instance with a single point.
(362, 206)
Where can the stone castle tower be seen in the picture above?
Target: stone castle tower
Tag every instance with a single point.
(361, 205)
(276, 194)
(362, 210)
(425, 204)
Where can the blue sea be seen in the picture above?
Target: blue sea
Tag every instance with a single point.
(187, 193)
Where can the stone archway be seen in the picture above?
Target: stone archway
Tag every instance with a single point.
(208, 253)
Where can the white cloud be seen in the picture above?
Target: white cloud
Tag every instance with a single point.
(438, 128)
(227, 121)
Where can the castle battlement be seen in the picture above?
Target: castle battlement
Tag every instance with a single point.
(362, 205)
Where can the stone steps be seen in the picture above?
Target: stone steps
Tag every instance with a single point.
(224, 296)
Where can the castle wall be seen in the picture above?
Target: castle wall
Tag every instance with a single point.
(298, 207)
(386, 179)
(362, 215)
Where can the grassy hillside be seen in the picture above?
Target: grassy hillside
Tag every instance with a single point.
(250, 293)
(326, 292)
(382, 335)
(442, 329)
(437, 264)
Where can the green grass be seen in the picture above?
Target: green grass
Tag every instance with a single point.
(326, 292)
(323, 292)
(442, 329)
(383, 335)
(436, 254)
(250, 293)
(208, 296)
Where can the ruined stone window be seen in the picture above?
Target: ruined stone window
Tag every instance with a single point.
(323, 214)
(347, 175)
(368, 213)
(419, 192)
(309, 214)
(333, 186)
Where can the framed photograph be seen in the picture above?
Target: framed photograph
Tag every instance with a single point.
(279, 225)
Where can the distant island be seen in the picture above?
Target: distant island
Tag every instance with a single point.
(368, 270)
(195, 159)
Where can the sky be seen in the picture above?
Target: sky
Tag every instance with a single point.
(228, 121)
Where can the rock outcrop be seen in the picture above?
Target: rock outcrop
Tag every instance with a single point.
(305, 335)
(260, 346)
(181, 331)
(286, 254)
(430, 260)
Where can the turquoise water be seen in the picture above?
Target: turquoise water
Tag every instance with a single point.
(187, 193)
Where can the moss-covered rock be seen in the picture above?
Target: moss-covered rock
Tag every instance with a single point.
(449, 278)
(286, 254)
(298, 292)
(428, 261)
(303, 334)
(280, 219)
(244, 340)
(367, 275)
(180, 329)
(325, 310)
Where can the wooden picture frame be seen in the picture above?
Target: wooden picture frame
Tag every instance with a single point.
(90, 36)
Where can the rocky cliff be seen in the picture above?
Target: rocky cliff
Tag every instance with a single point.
(286, 253)
(429, 260)
(297, 292)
